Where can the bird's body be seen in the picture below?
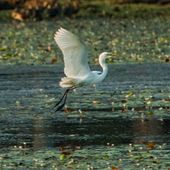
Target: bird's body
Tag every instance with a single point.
(91, 78)
(76, 67)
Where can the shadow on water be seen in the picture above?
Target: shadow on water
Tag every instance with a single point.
(39, 132)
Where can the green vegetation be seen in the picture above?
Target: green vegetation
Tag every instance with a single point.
(130, 40)
(149, 156)
(133, 33)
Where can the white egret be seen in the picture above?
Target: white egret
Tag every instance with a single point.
(76, 67)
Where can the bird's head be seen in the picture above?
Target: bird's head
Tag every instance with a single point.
(104, 55)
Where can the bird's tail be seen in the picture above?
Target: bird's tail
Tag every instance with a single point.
(67, 82)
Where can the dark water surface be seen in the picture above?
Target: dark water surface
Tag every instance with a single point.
(141, 96)
(40, 132)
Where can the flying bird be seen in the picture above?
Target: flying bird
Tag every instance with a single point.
(76, 67)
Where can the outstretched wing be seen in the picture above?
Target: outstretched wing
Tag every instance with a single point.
(75, 53)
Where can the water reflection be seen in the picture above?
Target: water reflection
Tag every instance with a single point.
(149, 130)
(40, 132)
(39, 137)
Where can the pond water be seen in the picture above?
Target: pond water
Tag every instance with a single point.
(123, 123)
(39, 132)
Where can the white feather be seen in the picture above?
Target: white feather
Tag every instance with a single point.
(75, 54)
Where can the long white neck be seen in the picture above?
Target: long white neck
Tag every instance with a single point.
(104, 67)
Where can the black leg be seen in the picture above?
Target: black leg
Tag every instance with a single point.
(64, 97)
(61, 106)
(65, 93)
